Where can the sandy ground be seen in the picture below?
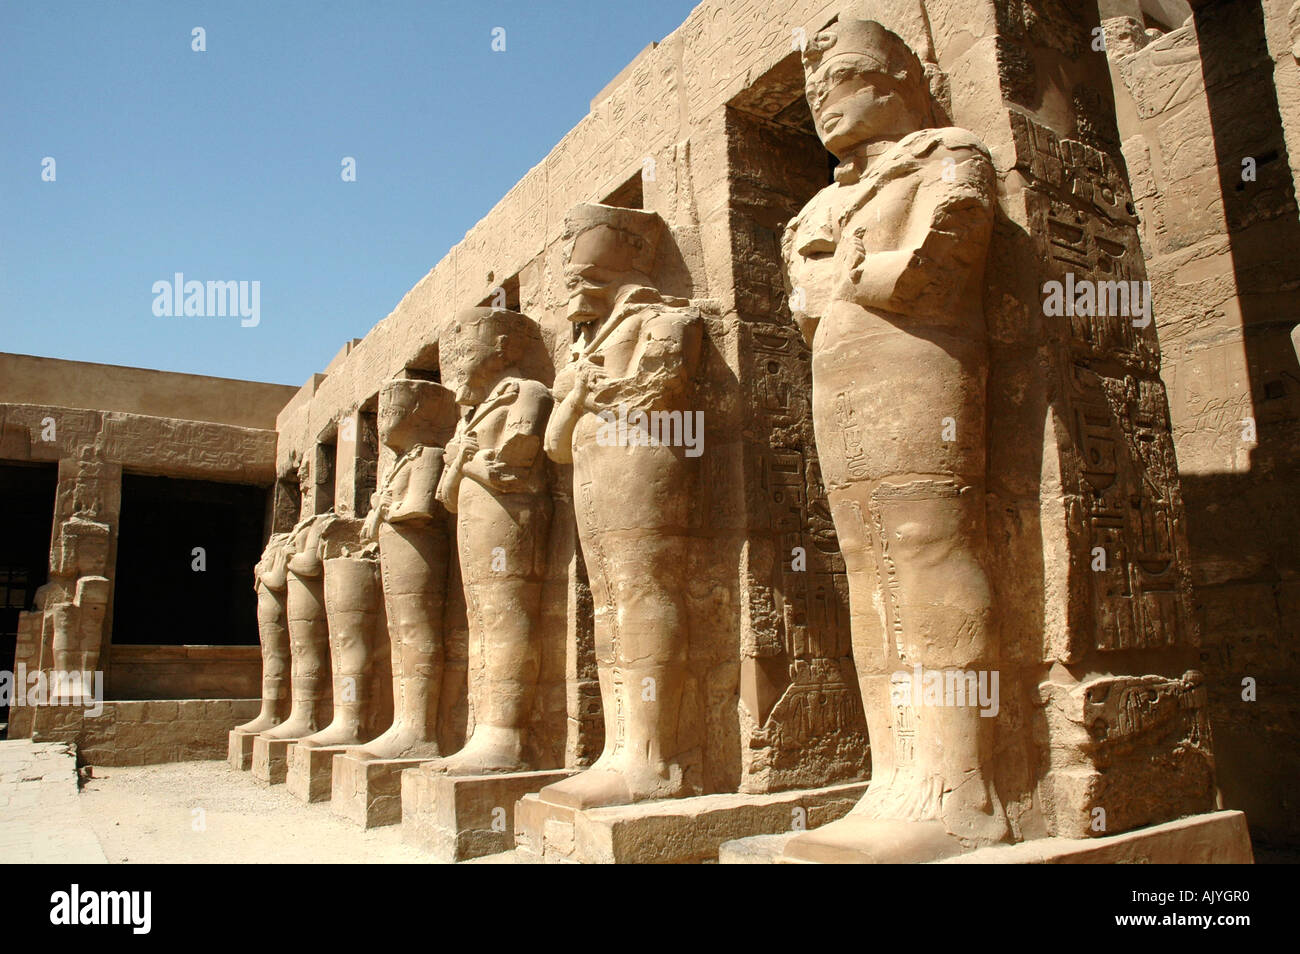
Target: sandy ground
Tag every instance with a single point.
(206, 812)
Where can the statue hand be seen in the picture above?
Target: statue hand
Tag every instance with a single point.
(589, 379)
(857, 256)
(370, 528)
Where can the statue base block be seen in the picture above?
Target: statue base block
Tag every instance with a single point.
(1211, 838)
(369, 791)
(672, 831)
(271, 759)
(1215, 838)
(239, 750)
(754, 850)
(456, 817)
(311, 771)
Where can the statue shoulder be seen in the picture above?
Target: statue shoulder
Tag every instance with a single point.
(945, 140)
(533, 391)
(647, 307)
(651, 299)
(816, 213)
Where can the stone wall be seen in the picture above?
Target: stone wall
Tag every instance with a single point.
(93, 443)
(183, 672)
(1207, 113)
(26, 379)
(148, 732)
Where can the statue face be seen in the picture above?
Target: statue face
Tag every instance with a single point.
(600, 261)
(852, 104)
(394, 405)
(475, 360)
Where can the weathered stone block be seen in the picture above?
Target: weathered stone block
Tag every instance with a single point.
(460, 817)
(673, 831)
(369, 792)
(311, 771)
(271, 760)
(239, 750)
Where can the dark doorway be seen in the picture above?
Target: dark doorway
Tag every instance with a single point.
(28, 493)
(185, 556)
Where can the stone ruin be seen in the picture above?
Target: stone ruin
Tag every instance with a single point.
(784, 470)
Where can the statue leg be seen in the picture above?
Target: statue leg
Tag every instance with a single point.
(414, 556)
(642, 642)
(66, 676)
(937, 545)
(273, 630)
(914, 554)
(352, 600)
(309, 658)
(502, 545)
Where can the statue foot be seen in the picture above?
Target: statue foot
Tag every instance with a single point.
(261, 724)
(397, 743)
(908, 819)
(333, 735)
(616, 782)
(482, 757)
(856, 839)
(974, 814)
(294, 728)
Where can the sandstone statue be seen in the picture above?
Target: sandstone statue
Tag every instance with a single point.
(354, 609)
(885, 268)
(636, 354)
(78, 602)
(495, 479)
(309, 663)
(78, 622)
(270, 580)
(416, 418)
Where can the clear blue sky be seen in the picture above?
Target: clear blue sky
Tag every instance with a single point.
(225, 164)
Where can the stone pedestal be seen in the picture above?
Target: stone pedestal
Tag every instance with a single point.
(1212, 838)
(457, 817)
(369, 792)
(239, 750)
(673, 831)
(271, 759)
(1218, 838)
(311, 771)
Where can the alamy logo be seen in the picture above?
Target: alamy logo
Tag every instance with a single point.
(1089, 299)
(636, 428)
(946, 688)
(193, 299)
(103, 907)
(55, 688)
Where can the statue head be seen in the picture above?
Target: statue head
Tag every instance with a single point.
(414, 411)
(864, 85)
(482, 345)
(606, 249)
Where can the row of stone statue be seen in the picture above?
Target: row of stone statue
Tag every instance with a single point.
(326, 589)
(885, 267)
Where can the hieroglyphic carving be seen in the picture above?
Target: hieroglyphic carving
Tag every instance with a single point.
(1137, 747)
(1131, 562)
(809, 631)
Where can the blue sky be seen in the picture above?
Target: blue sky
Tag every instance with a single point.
(225, 164)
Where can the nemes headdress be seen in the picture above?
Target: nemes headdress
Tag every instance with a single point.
(636, 233)
(524, 343)
(430, 409)
(883, 50)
